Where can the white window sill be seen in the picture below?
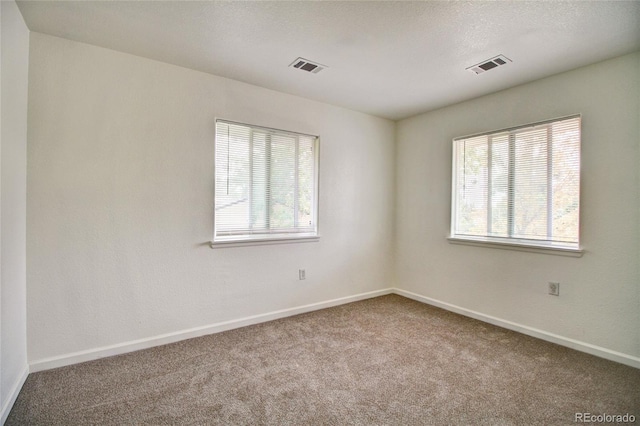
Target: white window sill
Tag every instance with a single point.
(263, 241)
(518, 246)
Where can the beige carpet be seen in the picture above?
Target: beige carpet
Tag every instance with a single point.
(383, 361)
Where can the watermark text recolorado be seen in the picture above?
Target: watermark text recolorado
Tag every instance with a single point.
(604, 418)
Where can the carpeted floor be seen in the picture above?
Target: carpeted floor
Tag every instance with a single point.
(383, 361)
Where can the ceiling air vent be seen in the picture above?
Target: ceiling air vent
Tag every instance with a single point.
(307, 65)
(489, 64)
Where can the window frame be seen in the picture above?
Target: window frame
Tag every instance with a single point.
(512, 243)
(285, 235)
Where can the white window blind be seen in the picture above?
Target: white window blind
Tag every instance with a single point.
(266, 183)
(520, 185)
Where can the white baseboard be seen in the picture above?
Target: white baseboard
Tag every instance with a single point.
(13, 395)
(126, 347)
(530, 331)
(163, 339)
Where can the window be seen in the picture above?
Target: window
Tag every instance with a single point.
(519, 186)
(266, 184)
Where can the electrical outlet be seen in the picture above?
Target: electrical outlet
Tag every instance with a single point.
(554, 289)
(301, 274)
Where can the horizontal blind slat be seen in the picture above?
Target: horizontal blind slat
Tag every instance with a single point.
(256, 177)
(539, 195)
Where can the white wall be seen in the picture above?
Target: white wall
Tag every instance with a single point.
(119, 208)
(120, 181)
(13, 154)
(600, 292)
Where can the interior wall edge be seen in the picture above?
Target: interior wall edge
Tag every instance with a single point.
(164, 339)
(598, 351)
(127, 347)
(13, 394)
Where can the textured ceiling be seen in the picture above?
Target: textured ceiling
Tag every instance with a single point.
(390, 59)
